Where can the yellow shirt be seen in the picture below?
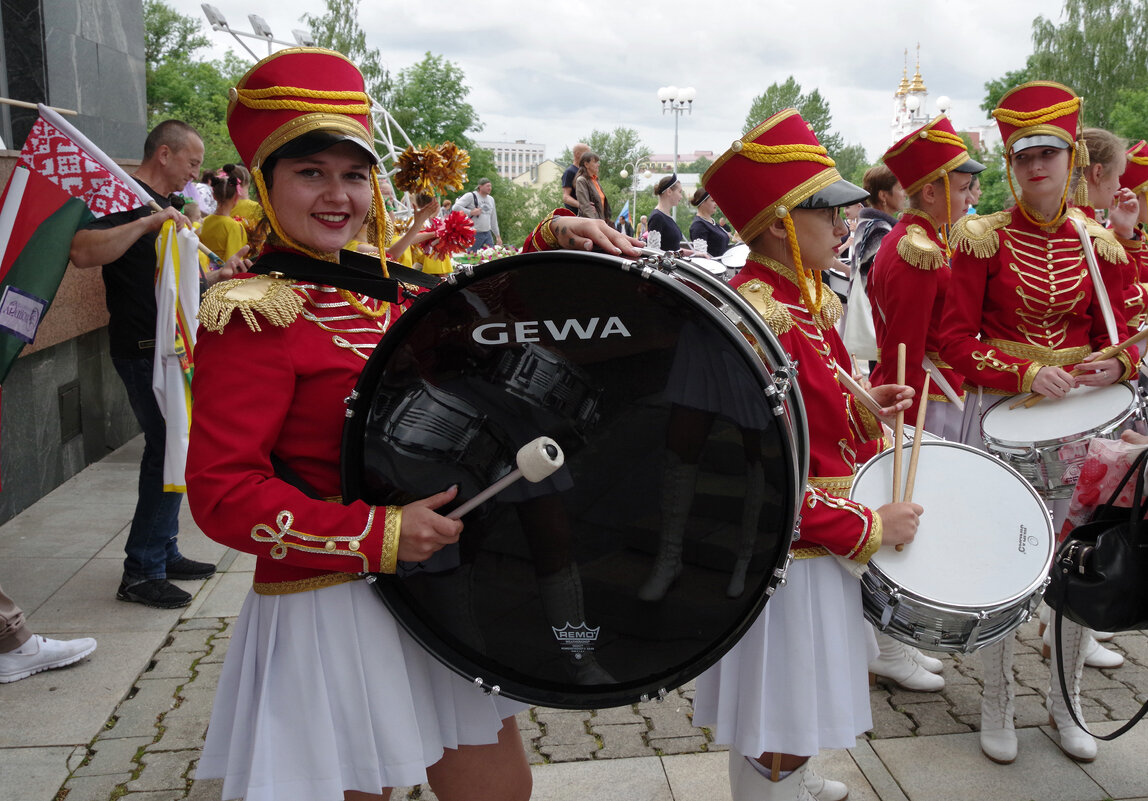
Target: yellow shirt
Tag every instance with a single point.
(223, 235)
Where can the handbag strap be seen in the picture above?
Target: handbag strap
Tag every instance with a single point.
(1138, 503)
(1064, 685)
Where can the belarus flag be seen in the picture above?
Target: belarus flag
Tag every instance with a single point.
(57, 186)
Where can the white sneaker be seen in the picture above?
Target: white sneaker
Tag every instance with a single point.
(39, 654)
(899, 666)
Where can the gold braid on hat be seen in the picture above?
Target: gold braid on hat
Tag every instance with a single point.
(1027, 119)
(778, 154)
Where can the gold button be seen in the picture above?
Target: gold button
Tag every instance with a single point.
(330, 546)
(353, 545)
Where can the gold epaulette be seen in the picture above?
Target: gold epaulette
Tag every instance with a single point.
(917, 249)
(273, 298)
(1107, 246)
(977, 235)
(760, 296)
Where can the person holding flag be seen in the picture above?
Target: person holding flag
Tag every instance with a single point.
(124, 244)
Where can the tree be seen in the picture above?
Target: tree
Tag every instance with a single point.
(180, 86)
(618, 150)
(1097, 50)
(813, 107)
(852, 161)
(339, 30)
(1130, 114)
(429, 101)
(995, 192)
(700, 165)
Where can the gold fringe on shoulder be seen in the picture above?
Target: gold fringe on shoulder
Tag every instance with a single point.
(977, 235)
(273, 298)
(760, 295)
(917, 249)
(1107, 245)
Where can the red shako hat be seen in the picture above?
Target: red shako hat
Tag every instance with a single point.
(776, 167)
(294, 92)
(928, 153)
(1135, 175)
(1038, 113)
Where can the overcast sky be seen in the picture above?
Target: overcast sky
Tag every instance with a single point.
(551, 73)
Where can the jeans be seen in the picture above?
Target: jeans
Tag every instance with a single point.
(482, 239)
(151, 541)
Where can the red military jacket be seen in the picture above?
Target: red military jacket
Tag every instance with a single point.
(907, 288)
(1021, 299)
(839, 427)
(1136, 280)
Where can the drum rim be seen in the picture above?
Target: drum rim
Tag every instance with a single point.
(1076, 436)
(1035, 585)
(793, 430)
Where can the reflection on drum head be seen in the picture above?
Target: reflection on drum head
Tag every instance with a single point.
(540, 599)
(1080, 410)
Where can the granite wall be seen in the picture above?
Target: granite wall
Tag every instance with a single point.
(63, 406)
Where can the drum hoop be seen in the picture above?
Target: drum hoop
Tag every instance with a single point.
(1107, 426)
(794, 434)
(1030, 589)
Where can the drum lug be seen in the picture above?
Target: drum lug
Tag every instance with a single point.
(370, 578)
(975, 632)
(662, 693)
(488, 689)
(776, 392)
(350, 399)
(780, 574)
(889, 610)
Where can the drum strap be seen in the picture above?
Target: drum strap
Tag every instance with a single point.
(285, 473)
(355, 272)
(1097, 284)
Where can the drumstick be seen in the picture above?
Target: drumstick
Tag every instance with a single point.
(858, 391)
(1033, 398)
(916, 451)
(536, 460)
(899, 428)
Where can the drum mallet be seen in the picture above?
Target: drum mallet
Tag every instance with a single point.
(536, 460)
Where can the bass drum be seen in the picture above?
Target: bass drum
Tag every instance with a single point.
(685, 448)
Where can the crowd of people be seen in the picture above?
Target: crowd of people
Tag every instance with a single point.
(987, 307)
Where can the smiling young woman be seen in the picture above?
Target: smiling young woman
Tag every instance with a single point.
(323, 697)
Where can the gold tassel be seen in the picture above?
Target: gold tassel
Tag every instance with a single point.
(977, 236)
(273, 298)
(1110, 250)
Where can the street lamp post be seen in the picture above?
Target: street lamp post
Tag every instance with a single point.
(678, 101)
(262, 31)
(635, 168)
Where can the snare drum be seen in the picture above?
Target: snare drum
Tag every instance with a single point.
(979, 563)
(1047, 443)
(539, 599)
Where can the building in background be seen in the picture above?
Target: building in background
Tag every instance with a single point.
(540, 176)
(514, 158)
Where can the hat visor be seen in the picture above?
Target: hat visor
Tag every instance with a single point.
(317, 141)
(839, 193)
(970, 166)
(1040, 140)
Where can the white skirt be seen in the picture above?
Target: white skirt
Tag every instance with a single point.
(323, 691)
(798, 681)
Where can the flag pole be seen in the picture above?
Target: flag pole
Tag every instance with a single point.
(50, 114)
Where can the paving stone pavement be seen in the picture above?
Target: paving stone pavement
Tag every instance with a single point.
(156, 671)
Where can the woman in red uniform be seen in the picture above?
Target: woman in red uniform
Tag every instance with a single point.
(796, 682)
(322, 696)
(1022, 311)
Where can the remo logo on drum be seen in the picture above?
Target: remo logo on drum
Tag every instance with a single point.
(576, 640)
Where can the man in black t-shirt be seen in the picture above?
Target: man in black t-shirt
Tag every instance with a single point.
(124, 244)
(568, 198)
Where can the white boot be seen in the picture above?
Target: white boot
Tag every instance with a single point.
(897, 664)
(1095, 654)
(678, 482)
(998, 738)
(824, 789)
(750, 513)
(746, 783)
(1072, 739)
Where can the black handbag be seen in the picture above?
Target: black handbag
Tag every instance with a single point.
(1099, 578)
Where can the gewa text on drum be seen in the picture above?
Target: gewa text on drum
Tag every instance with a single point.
(539, 601)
